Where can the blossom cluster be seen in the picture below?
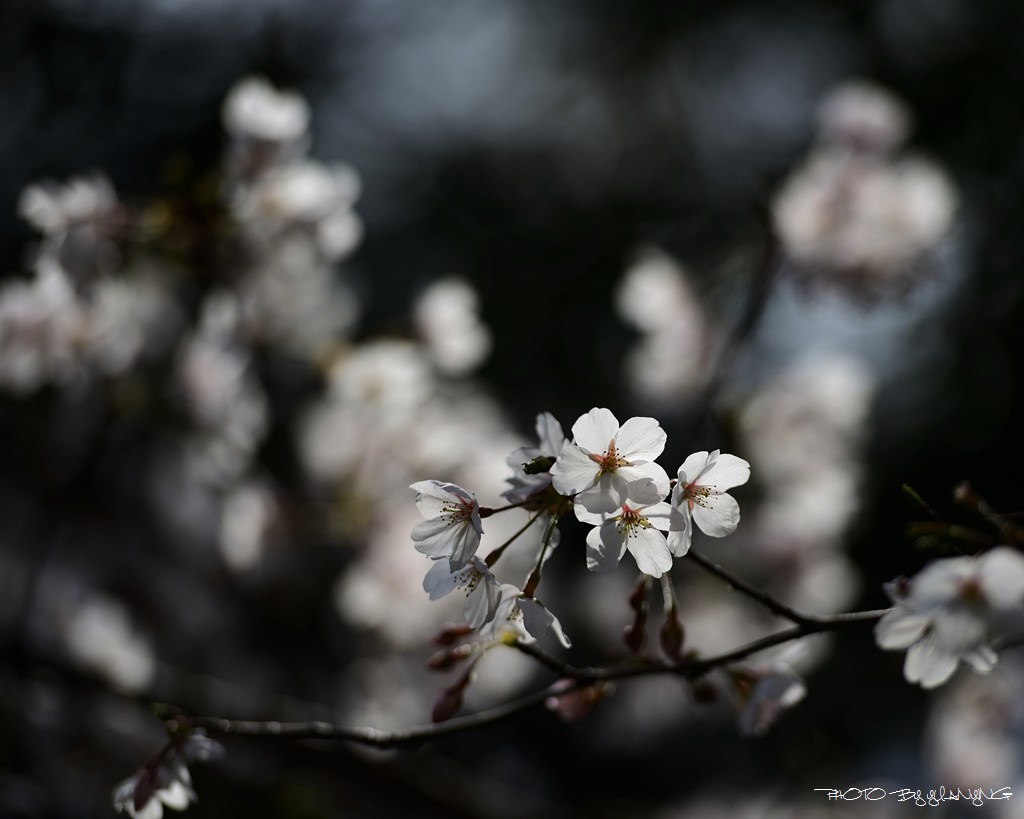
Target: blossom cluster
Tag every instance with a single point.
(609, 475)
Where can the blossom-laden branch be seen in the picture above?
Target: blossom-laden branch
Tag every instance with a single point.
(690, 668)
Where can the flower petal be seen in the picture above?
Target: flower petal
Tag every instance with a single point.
(928, 665)
(900, 629)
(650, 550)
(605, 548)
(1001, 572)
(717, 515)
(643, 471)
(640, 439)
(573, 471)
(595, 430)
(692, 467)
(606, 496)
(660, 515)
(679, 536)
(549, 433)
(440, 580)
(726, 472)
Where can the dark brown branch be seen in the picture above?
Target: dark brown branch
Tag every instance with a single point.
(691, 668)
(753, 592)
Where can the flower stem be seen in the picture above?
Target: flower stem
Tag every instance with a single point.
(492, 558)
(487, 511)
(534, 580)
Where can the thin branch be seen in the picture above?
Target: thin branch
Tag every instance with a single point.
(765, 599)
(404, 738)
(691, 668)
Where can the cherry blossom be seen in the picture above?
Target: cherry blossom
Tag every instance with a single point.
(453, 526)
(761, 695)
(165, 781)
(604, 460)
(526, 618)
(700, 496)
(475, 580)
(552, 441)
(634, 526)
(951, 611)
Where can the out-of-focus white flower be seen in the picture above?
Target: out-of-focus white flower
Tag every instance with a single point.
(474, 580)
(525, 485)
(974, 727)
(52, 208)
(700, 494)
(100, 636)
(41, 325)
(526, 618)
(452, 528)
(304, 196)
(220, 391)
(951, 611)
(861, 116)
(804, 432)
(447, 315)
(762, 694)
(165, 781)
(248, 513)
(294, 299)
(125, 318)
(655, 297)
(634, 526)
(604, 460)
(859, 217)
(254, 109)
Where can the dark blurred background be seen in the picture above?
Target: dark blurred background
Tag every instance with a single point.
(537, 152)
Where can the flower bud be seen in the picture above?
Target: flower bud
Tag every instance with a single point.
(450, 632)
(672, 635)
(577, 703)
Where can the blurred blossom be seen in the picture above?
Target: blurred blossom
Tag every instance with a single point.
(254, 109)
(951, 611)
(975, 730)
(655, 297)
(101, 637)
(855, 216)
(760, 695)
(291, 298)
(127, 319)
(382, 588)
(306, 197)
(218, 386)
(447, 315)
(861, 117)
(248, 514)
(804, 432)
(41, 325)
(165, 780)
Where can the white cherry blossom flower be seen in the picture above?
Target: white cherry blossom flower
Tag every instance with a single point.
(254, 109)
(634, 526)
(604, 460)
(165, 781)
(700, 496)
(526, 618)
(552, 441)
(453, 526)
(951, 611)
(474, 580)
(762, 694)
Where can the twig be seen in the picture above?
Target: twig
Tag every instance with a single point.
(765, 599)
(691, 668)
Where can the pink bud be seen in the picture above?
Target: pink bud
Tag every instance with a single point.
(577, 703)
(450, 632)
(672, 635)
(447, 703)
